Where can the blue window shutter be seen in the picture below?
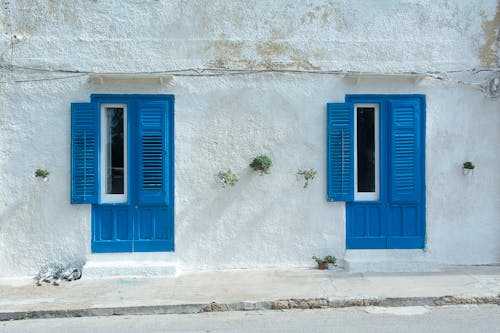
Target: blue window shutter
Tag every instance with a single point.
(153, 161)
(340, 156)
(405, 168)
(84, 150)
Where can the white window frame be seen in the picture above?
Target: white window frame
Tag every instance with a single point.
(367, 196)
(105, 197)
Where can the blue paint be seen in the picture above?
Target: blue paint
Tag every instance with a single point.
(340, 153)
(152, 157)
(84, 153)
(146, 222)
(397, 219)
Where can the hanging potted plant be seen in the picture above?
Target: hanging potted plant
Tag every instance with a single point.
(468, 168)
(42, 174)
(308, 175)
(261, 163)
(226, 178)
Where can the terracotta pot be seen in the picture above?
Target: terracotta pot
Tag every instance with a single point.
(322, 265)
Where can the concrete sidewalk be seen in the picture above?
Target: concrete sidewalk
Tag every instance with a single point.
(193, 292)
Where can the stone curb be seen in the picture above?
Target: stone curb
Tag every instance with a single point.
(283, 304)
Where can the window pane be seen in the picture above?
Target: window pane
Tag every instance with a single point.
(115, 179)
(366, 148)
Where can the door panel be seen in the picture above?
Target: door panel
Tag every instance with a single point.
(112, 231)
(145, 222)
(154, 231)
(365, 226)
(397, 219)
(112, 223)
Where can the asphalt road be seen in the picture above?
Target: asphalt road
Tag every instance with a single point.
(454, 319)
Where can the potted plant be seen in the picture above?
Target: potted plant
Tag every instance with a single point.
(227, 178)
(42, 174)
(308, 175)
(468, 168)
(261, 163)
(332, 261)
(323, 263)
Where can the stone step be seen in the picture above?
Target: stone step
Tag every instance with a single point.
(102, 265)
(389, 261)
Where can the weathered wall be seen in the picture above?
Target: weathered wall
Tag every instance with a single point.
(370, 35)
(222, 122)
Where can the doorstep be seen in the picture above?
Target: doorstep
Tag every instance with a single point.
(133, 264)
(418, 260)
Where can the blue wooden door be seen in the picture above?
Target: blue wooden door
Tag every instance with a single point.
(144, 222)
(396, 220)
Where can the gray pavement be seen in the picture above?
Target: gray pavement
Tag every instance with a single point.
(193, 292)
(456, 319)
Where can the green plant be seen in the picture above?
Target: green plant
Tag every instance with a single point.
(469, 165)
(323, 262)
(227, 178)
(308, 175)
(331, 260)
(42, 173)
(262, 164)
(319, 260)
(326, 260)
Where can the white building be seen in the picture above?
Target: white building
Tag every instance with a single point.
(186, 89)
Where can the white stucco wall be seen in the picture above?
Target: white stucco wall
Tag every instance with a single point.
(224, 121)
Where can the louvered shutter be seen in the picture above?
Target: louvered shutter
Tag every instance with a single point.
(405, 150)
(153, 161)
(84, 150)
(340, 155)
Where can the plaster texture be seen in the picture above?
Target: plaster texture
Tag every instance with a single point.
(224, 121)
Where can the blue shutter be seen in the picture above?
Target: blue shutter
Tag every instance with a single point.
(84, 150)
(153, 161)
(405, 150)
(340, 156)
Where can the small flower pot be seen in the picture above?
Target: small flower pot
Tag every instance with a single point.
(322, 265)
(468, 172)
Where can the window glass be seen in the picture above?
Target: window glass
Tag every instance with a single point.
(366, 149)
(113, 153)
(115, 182)
(366, 157)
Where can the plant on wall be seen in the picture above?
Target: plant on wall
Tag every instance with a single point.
(308, 175)
(468, 168)
(227, 178)
(42, 173)
(469, 165)
(262, 164)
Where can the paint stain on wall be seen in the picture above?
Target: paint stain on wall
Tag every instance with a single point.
(271, 55)
(488, 52)
(225, 51)
(327, 14)
(278, 55)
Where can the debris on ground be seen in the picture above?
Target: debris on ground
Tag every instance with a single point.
(55, 272)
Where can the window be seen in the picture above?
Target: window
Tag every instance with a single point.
(107, 134)
(376, 164)
(122, 163)
(366, 155)
(114, 171)
(375, 147)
